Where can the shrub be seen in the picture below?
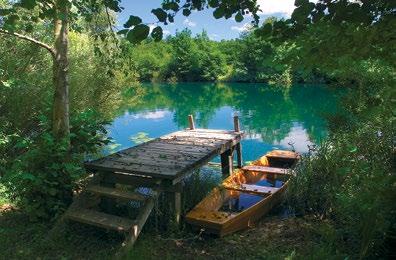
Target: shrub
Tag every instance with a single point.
(350, 180)
(42, 178)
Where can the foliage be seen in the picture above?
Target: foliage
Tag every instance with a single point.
(42, 178)
(185, 57)
(350, 179)
(136, 31)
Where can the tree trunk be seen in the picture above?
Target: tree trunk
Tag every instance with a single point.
(60, 112)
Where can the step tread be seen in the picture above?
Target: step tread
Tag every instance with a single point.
(116, 193)
(100, 219)
(266, 169)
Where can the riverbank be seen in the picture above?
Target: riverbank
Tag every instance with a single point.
(273, 238)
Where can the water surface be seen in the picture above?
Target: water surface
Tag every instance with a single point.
(271, 117)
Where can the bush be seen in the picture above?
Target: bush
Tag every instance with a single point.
(42, 178)
(350, 180)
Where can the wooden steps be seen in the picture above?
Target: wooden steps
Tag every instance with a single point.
(83, 211)
(116, 193)
(100, 219)
(266, 169)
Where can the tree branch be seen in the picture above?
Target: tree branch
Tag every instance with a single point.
(30, 39)
(109, 20)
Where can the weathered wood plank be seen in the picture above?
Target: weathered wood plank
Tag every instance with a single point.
(116, 193)
(254, 188)
(201, 135)
(266, 169)
(170, 156)
(283, 155)
(100, 219)
(141, 219)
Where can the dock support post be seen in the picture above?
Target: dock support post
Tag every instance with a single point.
(238, 147)
(226, 162)
(174, 194)
(177, 207)
(191, 122)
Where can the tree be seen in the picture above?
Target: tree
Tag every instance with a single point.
(18, 20)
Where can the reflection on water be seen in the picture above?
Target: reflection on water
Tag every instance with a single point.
(270, 117)
(240, 201)
(270, 183)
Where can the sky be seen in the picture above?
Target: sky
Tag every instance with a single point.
(204, 20)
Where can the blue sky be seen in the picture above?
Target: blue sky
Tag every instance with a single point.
(198, 21)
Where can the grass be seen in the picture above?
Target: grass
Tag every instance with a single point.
(272, 238)
(3, 198)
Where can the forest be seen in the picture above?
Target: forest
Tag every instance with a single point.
(66, 72)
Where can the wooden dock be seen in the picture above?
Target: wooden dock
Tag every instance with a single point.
(160, 164)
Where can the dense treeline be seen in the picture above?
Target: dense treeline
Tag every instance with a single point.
(185, 57)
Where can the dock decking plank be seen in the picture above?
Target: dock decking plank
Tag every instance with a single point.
(169, 156)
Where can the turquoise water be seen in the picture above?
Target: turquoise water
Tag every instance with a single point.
(271, 117)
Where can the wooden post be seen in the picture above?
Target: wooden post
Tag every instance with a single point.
(226, 162)
(177, 207)
(191, 122)
(237, 127)
(173, 195)
(238, 146)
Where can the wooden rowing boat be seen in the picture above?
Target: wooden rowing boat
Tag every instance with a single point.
(246, 195)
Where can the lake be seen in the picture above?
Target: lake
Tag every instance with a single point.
(272, 118)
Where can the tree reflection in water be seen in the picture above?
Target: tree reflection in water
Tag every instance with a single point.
(270, 116)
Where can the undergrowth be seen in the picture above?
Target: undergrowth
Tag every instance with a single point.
(350, 181)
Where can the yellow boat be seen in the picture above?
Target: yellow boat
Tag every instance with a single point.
(246, 195)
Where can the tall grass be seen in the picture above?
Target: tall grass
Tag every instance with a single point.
(350, 180)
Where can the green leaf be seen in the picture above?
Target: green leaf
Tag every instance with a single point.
(132, 21)
(218, 13)
(265, 30)
(124, 31)
(171, 6)
(157, 33)
(213, 3)
(301, 2)
(28, 4)
(29, 28)
(353, 149)
(138, 33)
(4, 12)
(186, 12)
(238, 17)
(170, 18)
(161, 14)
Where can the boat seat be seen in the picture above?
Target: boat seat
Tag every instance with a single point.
(266, 169)
(253, 188)
(280, 154)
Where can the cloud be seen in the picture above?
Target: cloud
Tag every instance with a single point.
(189, 23)
(151, 115)
(166, 32)
(213, 36)
(271, 7)
(152, 26)
(243, 28)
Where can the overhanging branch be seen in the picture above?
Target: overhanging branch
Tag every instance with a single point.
(30, 39)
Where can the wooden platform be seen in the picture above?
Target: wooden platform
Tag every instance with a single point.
(159, 166)
(169, 157)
